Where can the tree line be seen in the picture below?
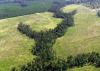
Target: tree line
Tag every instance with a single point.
(46, 59)
(98, 13)
(89, 3)
(80, 60)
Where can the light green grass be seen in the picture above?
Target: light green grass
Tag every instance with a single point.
(83, 37)
(70, 8)
(15, 48)
(85, 68)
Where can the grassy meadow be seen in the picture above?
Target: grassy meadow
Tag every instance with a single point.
(15, 48)
(85, 68)
(84, 37)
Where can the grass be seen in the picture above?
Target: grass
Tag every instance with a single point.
(70, 8)
(15, 9)
(84, 37)
(15, 48)
(85, 68)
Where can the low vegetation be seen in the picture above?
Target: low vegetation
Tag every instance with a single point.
(81, 38)
(86, 28)
(15, 48)
(85, 68)
(76, 48)
(45, 54)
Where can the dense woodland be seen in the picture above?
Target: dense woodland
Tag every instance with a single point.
(23, 7)
(89, 3)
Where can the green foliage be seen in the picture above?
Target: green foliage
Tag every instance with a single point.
(10, 9)
(45, 54)
(16, 48)
(25, 29)
(46, 59)
(98, 13)
(39, 65)
(89, 3)
(81, 59)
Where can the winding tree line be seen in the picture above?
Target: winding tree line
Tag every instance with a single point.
(80, 60)
(46, 59)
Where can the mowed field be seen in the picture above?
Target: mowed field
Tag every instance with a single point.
(84, 37)
(15, 48)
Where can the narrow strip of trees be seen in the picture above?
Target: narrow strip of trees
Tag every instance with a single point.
(98, 13)
(46, 59)
(80, 60)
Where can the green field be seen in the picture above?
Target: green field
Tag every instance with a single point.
(84, 37)
(81, 38)
(15, 48)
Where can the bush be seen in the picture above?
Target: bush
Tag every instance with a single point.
(98, 13)
(82, 59)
